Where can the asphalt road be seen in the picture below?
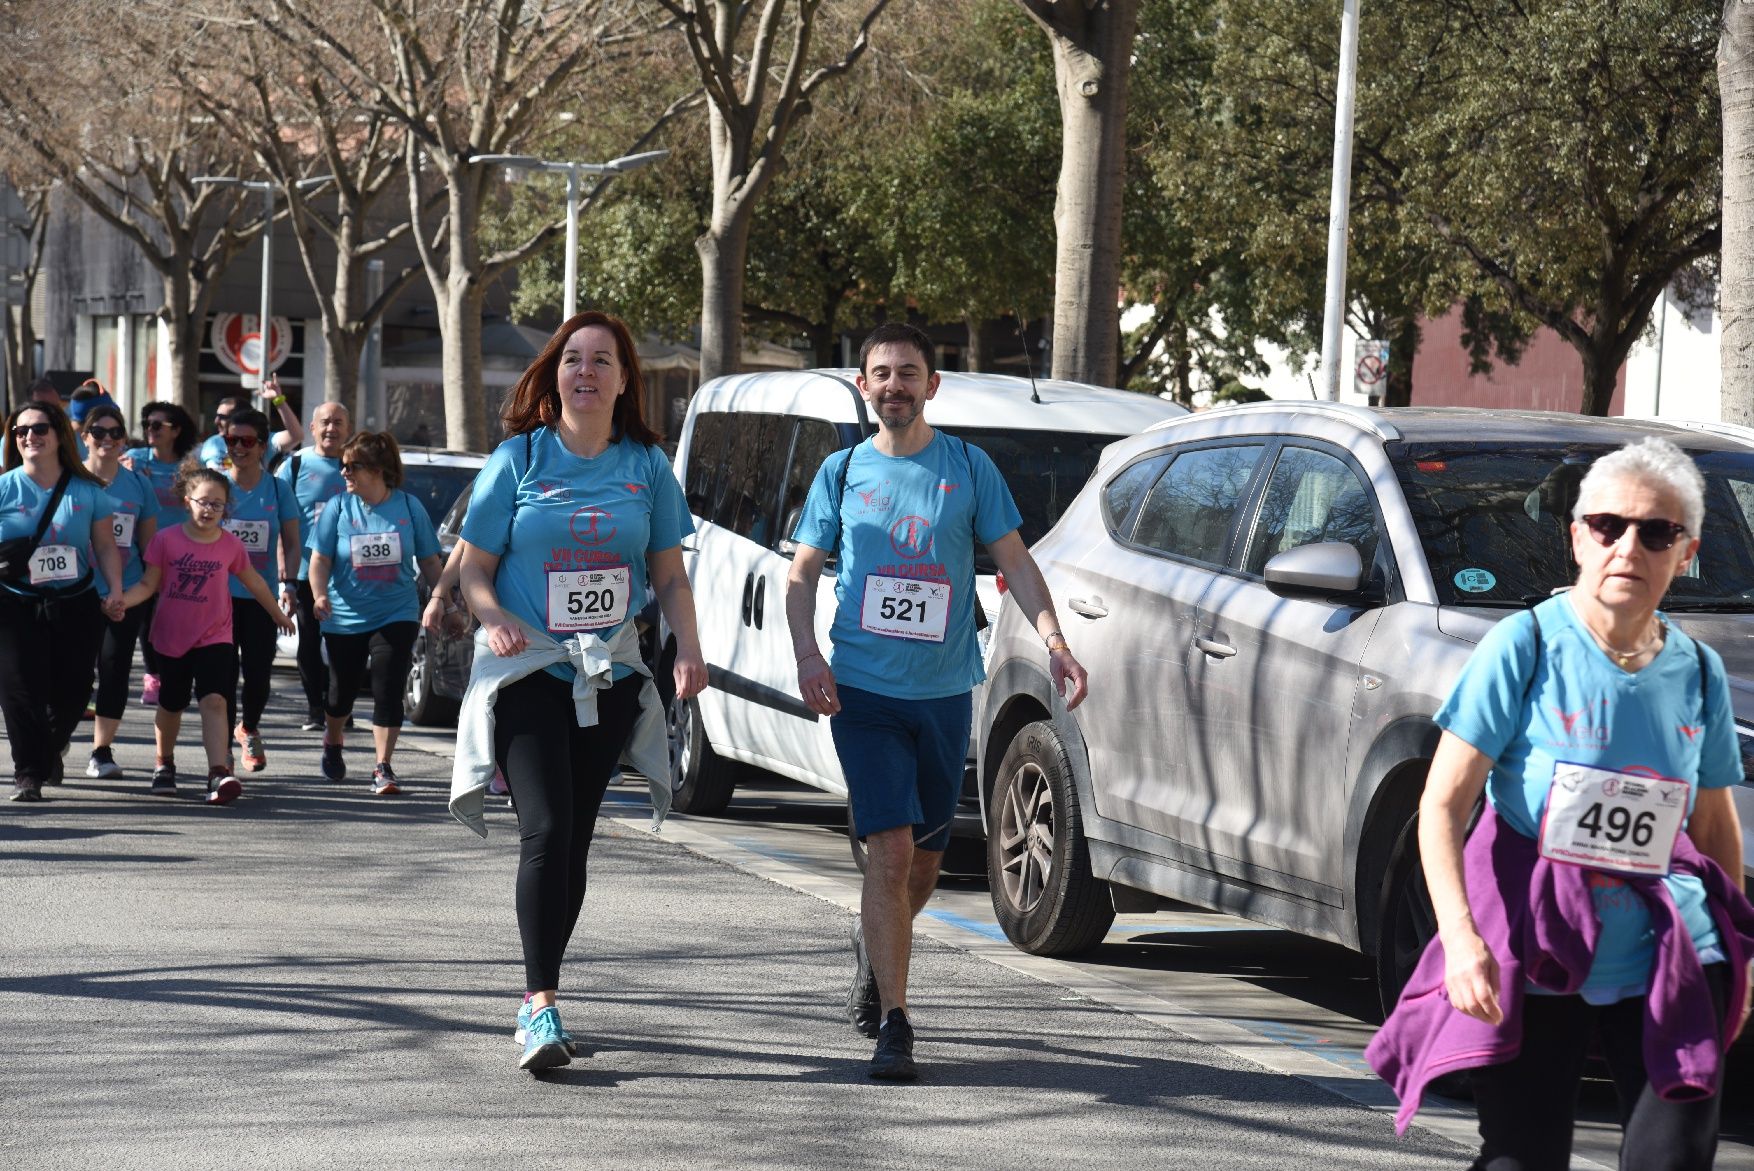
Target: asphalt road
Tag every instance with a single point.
(314, 977)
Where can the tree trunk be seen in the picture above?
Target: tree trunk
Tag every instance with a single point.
(181, 384)
(1735, 77)
(1182, 373)
(1403, 334)
(1601, 371)
(974, 355)
(1092, 49)
(341, 353)
(465, 400)
(723, 249)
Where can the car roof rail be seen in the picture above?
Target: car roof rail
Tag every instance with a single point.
(1364, 418)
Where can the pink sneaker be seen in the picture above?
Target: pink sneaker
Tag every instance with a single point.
(149, 693)
(497, 785)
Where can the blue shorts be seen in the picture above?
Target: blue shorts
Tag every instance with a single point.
(903, 760)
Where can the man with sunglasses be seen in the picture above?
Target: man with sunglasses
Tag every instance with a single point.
(213, 449)
(314, 475)
(1599, 901)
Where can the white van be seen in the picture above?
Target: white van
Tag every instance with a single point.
(749, 450)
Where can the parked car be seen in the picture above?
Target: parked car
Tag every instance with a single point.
(1272, 602)
(749, 449)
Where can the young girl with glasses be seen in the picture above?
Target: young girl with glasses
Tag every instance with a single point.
(188, 568)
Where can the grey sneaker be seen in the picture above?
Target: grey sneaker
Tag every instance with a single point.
(864, 1007)
(893, 1060)
(334, 767)
(26, 789)
(384, 780)
(164, 781)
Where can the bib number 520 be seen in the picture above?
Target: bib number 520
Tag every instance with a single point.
(592, 599)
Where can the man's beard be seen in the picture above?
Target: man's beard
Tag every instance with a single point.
(899, 422)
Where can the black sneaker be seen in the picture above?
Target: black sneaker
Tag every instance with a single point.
(863, 1005)
(26, 789)
(334, 767)
(313, 722)
(893, 1060)
(164, 781)
(57, 770)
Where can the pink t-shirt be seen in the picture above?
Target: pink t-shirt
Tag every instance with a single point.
(194, 594)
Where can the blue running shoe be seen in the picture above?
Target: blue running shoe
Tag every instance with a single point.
(521, 1034)
(543, 1047)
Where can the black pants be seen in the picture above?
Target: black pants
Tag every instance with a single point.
(313, 676)
(255, 634)
(48, 658)
(387, 653)
(557, 772)
(115, 662)
(1526, 1106)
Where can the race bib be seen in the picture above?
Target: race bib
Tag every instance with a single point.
(1613, 821)
(53, 563)
(906, 607)
(589, 599)
(124, 526)
(375, 549)
(253, 533)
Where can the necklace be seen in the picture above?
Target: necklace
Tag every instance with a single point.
(1624, 658)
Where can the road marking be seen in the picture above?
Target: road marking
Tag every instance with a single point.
(1273, 1045)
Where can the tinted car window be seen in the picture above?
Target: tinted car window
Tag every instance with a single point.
(815, 441)
(1312, 497)
(1191, 507)
(750, 491)
(452, 525)
(1125, 491)
(1494, 522)
(1043, 469)
(436, 486)
(706, 450)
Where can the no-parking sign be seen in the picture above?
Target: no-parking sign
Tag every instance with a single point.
(1370, 366)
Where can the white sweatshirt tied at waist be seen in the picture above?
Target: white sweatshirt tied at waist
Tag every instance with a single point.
(647, 751)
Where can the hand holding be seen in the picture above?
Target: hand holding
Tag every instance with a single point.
(1471, 977)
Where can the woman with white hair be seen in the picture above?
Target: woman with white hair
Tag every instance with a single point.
(1600, 896)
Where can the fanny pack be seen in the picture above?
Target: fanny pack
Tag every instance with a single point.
(16, 552)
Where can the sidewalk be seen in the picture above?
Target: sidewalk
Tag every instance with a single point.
(317, 978)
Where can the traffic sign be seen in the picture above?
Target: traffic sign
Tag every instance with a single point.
(1370, 366)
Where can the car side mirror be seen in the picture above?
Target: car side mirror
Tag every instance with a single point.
(787, 547)
(1323, 569)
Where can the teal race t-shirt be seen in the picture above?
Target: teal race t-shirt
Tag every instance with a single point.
(162, 474)
(1582, 709)
(135, 501)
(317, 483)
(904, 590)
(255, 518)
(572, 533)
(64, 553)
(213, 452)
(374, 551)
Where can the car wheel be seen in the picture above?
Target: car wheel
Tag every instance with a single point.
(1408, 921)
(1038, 865)
(423, 703)
(707, 779)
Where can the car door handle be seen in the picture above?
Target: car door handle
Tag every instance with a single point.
(1089, 609)
(748, 597)
(1217, 650)
(760, 601)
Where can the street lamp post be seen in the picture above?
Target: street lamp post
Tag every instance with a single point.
(572, 170)
(1339, 203)
(264, 318)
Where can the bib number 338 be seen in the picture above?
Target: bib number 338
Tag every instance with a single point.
(589, 599)
(906, 607)
(374, 549)
(1614, 821)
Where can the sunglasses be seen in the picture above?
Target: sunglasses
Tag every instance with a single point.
(244, 442)
(156, 424)
(350, 469)
(1654, 533)
(37, 429)
(222, 419)
(105, 434)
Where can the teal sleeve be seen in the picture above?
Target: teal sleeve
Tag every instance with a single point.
(328, 529)
(425, 539)
(819, 527)
(670, 519)
(1485, 707)
(488, 525)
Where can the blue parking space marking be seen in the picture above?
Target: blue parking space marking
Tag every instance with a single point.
(1345, 1056)
(990, 930)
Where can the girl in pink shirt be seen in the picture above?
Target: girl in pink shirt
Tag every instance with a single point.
(190, 567)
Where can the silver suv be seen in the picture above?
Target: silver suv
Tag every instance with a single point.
(1272, 601)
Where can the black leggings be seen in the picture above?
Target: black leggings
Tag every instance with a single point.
(148, 653)
(313, 675)
(557, 772)
(1526, 1106)
(255, 634)
(48, 657)
(387, 652)
(115, 662)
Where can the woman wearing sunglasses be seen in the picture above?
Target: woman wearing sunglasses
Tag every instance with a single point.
(135, 522)
(51, 617)
(1598, 903)
(368, 546)
(170, 435)
(264, 516)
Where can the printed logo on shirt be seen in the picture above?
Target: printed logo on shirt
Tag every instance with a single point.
(911, 537)
(947, 487)
(186, 578)
(876, 499)
(634, 488)
(593, 526)
(556, 493)
(1587, 727)
(1691, 731)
